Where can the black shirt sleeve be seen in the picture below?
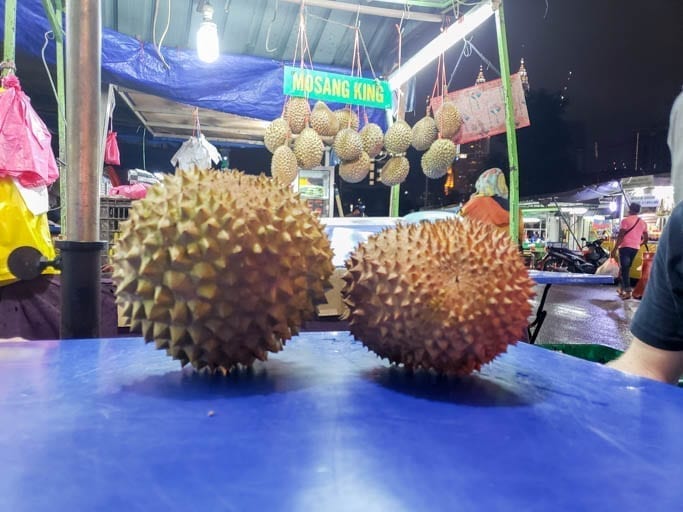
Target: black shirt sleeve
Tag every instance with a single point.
(659, 318)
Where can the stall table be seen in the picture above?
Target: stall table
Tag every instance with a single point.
(560, 278)
(325, 425)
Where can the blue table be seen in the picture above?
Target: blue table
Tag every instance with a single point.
(551, 278)
(114, 425)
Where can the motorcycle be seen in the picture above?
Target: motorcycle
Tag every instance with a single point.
(562, 259)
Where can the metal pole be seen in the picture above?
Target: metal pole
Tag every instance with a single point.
(61, 115)
(509, 123)
(10, 30)
(81, 250)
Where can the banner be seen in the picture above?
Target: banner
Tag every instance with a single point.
(336, 88)
(482, 108)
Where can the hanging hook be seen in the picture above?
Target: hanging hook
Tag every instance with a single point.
(270, 26)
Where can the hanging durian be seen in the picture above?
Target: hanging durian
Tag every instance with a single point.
(356, 170)
(448, 119)
(347, 118)
(297, 111)
(283, 166)
(398, 137)
(448, 295)
(323, 120)
(438, 158)
(373, 139)
(219, 268)
(347, 144)
(395, 171)
(277, 134)
(308, 149)
(424, 133)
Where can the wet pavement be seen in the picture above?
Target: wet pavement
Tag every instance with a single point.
(586, 314)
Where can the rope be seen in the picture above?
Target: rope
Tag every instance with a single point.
(157, 47)
(50, 35)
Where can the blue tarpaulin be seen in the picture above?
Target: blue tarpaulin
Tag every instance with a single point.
(237, 84)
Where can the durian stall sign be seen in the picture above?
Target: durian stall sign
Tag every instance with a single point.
(336, 88)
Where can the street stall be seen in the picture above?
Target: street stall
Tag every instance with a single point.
(218, 270)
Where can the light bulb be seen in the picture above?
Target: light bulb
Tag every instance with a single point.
(613, 206)
(207, 42)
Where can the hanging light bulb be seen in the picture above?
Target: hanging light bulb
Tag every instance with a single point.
(207, 36)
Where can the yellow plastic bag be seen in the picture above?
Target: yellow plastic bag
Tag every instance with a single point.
(19, 227)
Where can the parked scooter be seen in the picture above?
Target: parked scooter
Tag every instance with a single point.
(562, 259)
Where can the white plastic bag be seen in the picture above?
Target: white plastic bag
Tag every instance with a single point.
(609, 268)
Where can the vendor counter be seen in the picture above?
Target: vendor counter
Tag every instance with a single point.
(324, 425)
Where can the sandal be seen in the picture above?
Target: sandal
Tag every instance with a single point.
(625, 295)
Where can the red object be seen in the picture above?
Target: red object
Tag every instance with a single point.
(639, 290)
(135, 191)
(25, 142)
(111, 150)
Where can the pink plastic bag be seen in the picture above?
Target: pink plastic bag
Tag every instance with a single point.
(135, 191)
(111, 150)
(609, 268)
(25, 150)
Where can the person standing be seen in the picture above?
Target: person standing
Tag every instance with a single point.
(632, 233)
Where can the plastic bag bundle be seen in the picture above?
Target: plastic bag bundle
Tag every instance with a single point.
(609, 268)
(25, 150)
(196, 153)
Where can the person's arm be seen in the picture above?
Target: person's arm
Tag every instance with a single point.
(646, 236)
(651, 362)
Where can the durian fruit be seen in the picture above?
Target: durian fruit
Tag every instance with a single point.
(283, 166)
(277, 134)
(448, 295)
(424, 133)
(356, 170)
(398, 137)
(347, 144)
(373, 139)
(220, 268)
(395, 171)
(438, 158)
(323, 120)
(296, 113)
(448, 119)
(308, 149)
(347, 118)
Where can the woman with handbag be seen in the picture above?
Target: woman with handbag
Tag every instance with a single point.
(632, 233)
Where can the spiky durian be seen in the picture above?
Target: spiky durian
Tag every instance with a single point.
(220, 268)
(277, 134)
(283, 166)
(308, 149)
(424, 133)
(347, 144)
(373, 139)
(347, 118)
(356, 170)
(438, 158)
(395, 171)
(448, 119)
(417, 297)
(323, 120)
(296, 113)
(398, 137)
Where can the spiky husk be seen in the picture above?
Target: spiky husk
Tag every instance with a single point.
(324, 121)
(277, 134)
(347, 118)
(283, 166)
(424, 133)
(373, 139)
(220, 268)
(448, 120)
(296, 113)
(398, 137)
(347, 144)
(308, 149)
(438, 158)
(395, 171)
(356, 170)
(448, 295)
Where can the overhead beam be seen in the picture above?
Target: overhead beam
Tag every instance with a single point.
(372, 11)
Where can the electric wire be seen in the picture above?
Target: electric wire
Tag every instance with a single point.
(50, 35)
(157, 48)
(270, 27)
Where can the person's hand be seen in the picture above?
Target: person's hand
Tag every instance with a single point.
(613, 253)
